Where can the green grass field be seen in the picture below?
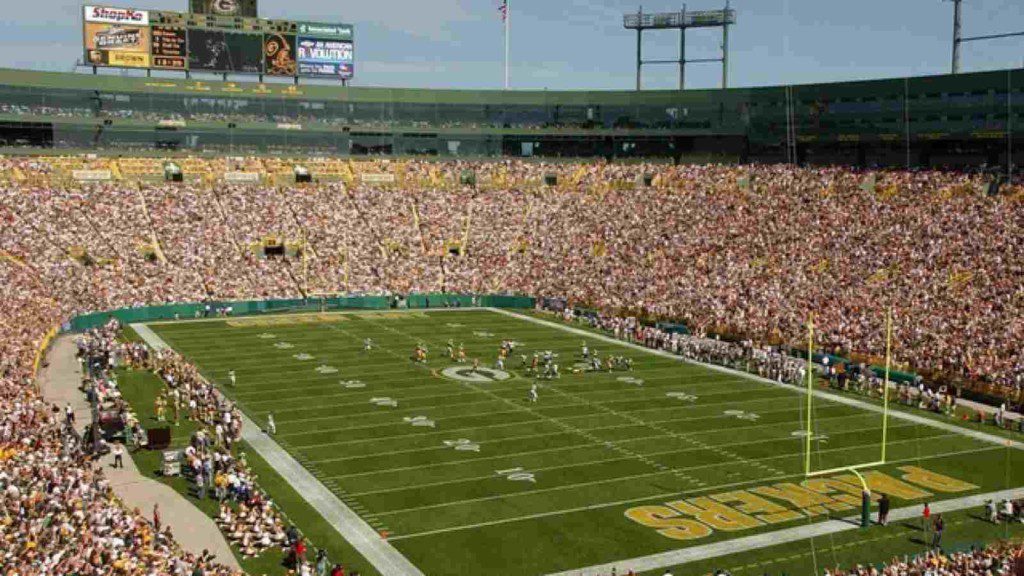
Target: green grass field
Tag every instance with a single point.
(469, 477)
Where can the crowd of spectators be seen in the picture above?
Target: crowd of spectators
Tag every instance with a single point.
(747, 253)
(998, 560)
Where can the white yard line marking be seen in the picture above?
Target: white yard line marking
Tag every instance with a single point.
(377, 551)
(839, 399)
(778, 473)
(663, 495)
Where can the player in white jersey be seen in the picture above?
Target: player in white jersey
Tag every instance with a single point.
(367, 345)
(271, 425)
(231, 376)
(533, 393)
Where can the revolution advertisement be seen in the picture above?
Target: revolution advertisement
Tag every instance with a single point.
(325, 58)
(108, 44)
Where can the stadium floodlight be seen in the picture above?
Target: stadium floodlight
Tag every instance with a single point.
(681, 21)
(958, 38)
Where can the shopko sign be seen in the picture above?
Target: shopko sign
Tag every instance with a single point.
(116, 15)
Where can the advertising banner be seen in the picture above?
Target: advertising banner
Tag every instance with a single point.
(279, 55)
(109, 15)
(220, 51)
(321, 30)
(117, 45)
(169, 48)
(321, 57)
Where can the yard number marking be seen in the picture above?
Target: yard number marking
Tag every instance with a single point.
(325, 369)
(463, 445)
(303, 357)
(384, 402)
(284, 345)
(683, 396)
(741, 415)
(419, 421)
(517, 475)
(352, 383)
(631, 380)
(267, 336)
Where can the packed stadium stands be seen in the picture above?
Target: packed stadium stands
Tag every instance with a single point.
(737, 251)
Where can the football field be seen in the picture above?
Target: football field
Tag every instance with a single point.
(467, 475)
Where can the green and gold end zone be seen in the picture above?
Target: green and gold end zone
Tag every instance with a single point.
(467, 475)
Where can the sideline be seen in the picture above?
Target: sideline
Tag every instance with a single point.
(377, 551)
(768, 539)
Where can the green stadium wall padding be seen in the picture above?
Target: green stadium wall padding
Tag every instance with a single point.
(91, 320)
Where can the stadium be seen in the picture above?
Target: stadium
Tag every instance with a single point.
(259, 318)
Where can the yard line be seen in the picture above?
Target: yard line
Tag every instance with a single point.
(707, 490)
(521, 409)
(988, 438)
(577, 447)
(598, 429)
(594, 482)
(619, 413)
(635, 439)
(625, 393)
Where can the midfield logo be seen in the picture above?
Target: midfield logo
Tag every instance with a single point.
(478, 375)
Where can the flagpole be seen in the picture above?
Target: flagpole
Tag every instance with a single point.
(508, 29)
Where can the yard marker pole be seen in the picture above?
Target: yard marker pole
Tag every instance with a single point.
(885, 393)
(810, 392)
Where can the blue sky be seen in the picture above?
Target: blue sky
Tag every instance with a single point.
(580, 44)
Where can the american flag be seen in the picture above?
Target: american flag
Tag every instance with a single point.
(503, 10)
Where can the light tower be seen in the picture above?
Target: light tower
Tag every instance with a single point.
(681, 21)
(958, 38)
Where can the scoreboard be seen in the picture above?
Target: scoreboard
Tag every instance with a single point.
(216, 41)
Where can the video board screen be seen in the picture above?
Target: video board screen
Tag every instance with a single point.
(326, 58)
(279, 55)
(169, 48)
(117, 45)
(220, 51)
(216, 41)
(223, 7)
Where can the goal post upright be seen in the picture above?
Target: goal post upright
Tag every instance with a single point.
(809, 432)
(810, 394)
(885, 391)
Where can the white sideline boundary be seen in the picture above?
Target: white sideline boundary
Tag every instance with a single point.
(839, 399)
(768, 539)
(377, 551)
